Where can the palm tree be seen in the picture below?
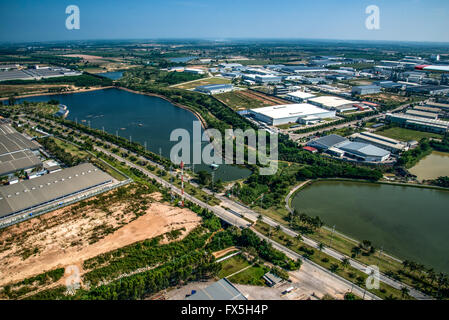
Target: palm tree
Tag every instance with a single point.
(298, 237)
(259, 218)
(356, 251)
(404, 292)
(345, 263)
(320, 246)
(277, 228)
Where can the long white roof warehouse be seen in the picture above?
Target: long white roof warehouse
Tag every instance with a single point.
(29, 194)
(298, 112)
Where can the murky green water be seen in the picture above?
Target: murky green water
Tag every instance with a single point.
(411, 223)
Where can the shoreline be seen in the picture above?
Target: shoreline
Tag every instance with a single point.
(57, 93)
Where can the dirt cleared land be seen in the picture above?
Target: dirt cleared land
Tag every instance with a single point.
(269, 101)
(73, 234)
(86, 57)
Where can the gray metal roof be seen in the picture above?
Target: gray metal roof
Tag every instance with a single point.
(220, 290)
(28, 194)
(330, 140)
(21, 160)
(363, 149)
(215, 86)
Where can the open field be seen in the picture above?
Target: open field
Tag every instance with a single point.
(7, 90)
(201, 82)
(265, 99)
(405, 134)
(253, 276)
(232, 265)
(73, 234)
(241, 100)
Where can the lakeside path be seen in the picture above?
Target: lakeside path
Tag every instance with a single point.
(57, 93)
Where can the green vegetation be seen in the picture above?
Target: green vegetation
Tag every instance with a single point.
(251, 276)
(24, 287)
(405, 134)
(328, 262)
(84, 80)
(412, 157)
(232, 265)
(202, 82)
(238, 101)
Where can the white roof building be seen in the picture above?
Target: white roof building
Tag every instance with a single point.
(299, 96)
(333, 103)
(289, 113)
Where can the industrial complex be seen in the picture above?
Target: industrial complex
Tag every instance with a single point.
(340, 147)
(17, 152)
(34, 193)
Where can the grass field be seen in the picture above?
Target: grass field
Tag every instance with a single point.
(405, 134)
(202, 82)
(232, 265)
(252, 276)
(236, 100)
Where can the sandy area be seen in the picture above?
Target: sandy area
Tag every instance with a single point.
(68, 236)
(86, 57)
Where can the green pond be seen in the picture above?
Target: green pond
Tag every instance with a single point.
(410, 223)
(431, 167)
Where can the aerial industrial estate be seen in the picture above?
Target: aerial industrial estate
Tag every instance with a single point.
(91, 185)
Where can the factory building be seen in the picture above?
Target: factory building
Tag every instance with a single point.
(418, 123)
(302, 113)
(333, 103)
(299, 96)
(423, 114)
(362, 90)
(29, 195)
(267, 78)
(339, 146)
(389, 144)
(428, 109)
(215, 88)
(16, 151)
(364, 152)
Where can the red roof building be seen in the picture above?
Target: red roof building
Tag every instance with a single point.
(310, 149)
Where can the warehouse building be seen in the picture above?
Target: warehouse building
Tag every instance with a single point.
(327, 142)
(339, 146)
(16, 151)
(220, 290)
(28, 195)
(333, 103)
(215, 88)
(289, 113)
(364, 152)
(299, 96)
(429, 89)
(389, 144)
(428, 109)
(423, 114)
(362, 90)
(418, 123)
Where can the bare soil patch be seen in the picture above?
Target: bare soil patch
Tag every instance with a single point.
(70, 235)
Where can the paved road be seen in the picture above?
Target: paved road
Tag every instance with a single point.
(239, 209)
(290, 253)
(297, 136)
(252, 215)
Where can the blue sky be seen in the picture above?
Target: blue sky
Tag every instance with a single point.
(44, 20)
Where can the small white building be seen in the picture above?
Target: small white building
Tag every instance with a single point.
(299, 96)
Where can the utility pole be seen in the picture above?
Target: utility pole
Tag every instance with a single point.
(332, 235)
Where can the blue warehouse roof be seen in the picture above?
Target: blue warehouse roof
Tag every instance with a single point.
(215, 86)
